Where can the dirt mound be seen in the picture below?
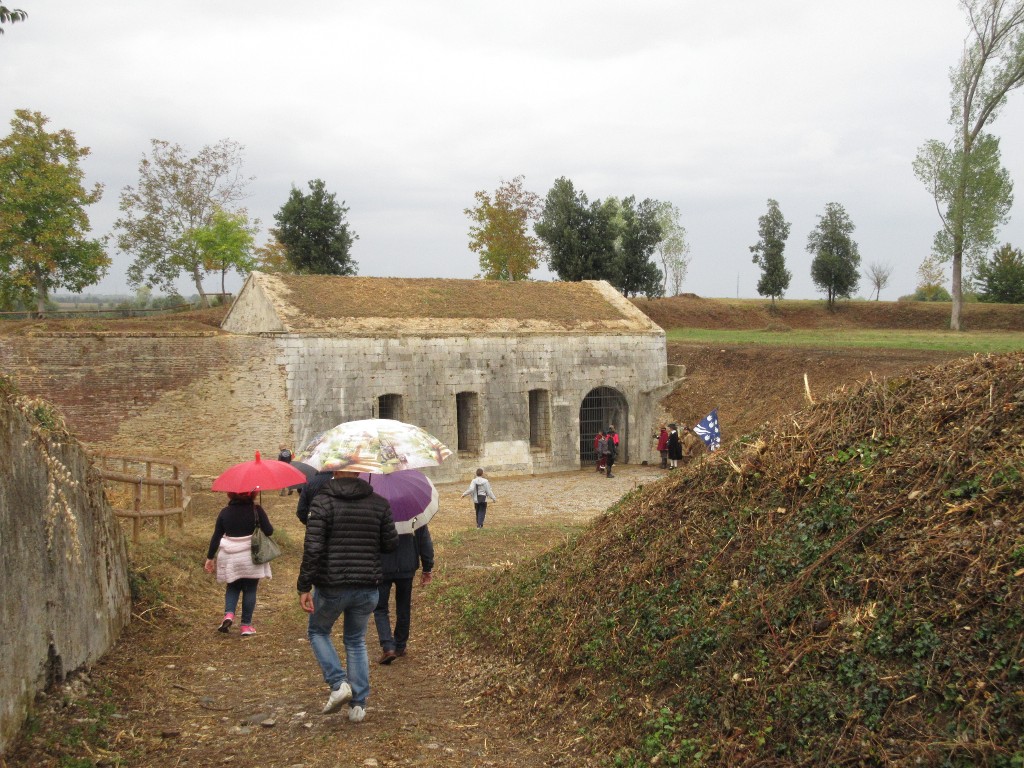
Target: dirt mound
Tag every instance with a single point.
(755, 314)
(751, 385)
(194, 321)
(845, 589)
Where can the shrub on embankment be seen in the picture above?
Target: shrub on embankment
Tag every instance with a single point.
(846, 589)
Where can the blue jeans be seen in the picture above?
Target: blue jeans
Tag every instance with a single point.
(403, 614)
(356, 603)
(481, 512)
(247, 589)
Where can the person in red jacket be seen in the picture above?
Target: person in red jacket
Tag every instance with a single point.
(663, 446)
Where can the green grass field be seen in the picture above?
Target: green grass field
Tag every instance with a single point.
(944, 341)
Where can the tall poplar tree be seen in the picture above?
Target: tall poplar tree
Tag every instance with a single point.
(972, 191)
(769, 252)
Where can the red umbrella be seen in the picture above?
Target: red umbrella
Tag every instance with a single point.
(258, 475)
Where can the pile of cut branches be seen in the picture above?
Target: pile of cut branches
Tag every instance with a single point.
(845, 589)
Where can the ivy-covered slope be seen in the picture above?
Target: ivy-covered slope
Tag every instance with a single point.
(848, 589)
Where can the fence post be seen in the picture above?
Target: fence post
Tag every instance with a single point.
(163, 518)
(137, 506)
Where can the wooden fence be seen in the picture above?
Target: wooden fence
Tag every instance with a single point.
(141, 488)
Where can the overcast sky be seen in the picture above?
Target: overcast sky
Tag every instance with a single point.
(406, 108)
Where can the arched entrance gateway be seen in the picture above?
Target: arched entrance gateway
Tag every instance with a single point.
(601, 407)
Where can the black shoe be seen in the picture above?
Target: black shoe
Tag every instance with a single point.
(388, 657)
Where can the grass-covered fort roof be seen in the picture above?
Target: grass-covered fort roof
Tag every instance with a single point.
(314, 304)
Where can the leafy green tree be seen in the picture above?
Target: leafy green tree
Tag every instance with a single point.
(834, 268)
(769, 252)
(500, 233)
(43, 222)
(226, 243)
(177, 195)
(579, 236)
(673, 250)
(1001, 278)
(972, 191)
(638, 237)
(313, 230)
(10, 15)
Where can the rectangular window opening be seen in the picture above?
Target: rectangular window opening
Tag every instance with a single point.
(390, 407)
(468, 416)
(540, 419)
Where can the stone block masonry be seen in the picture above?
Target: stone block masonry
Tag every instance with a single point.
(211, 400)
(64, 595)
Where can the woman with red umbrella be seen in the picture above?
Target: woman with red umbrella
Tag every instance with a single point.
(231, 542)
(231, 554)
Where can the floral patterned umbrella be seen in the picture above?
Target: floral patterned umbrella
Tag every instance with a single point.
(376, 446)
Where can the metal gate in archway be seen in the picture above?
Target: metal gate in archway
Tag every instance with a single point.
(602, 407)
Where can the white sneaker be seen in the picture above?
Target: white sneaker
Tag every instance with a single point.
(356, 713)
(337, 698)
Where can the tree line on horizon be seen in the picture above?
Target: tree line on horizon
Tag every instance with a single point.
(184, 217)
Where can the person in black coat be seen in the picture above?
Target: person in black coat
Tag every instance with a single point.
(675, 447)
(309, 491)
(348, 528)
(399, 569)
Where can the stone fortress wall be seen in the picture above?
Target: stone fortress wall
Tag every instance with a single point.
(210, 400)
(64, 592)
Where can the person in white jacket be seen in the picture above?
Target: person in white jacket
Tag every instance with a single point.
(480, 490)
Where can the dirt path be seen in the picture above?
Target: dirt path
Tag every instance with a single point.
(184, 694)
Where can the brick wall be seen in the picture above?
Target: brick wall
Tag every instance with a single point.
(208, 401)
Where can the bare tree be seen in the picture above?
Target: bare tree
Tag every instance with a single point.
(878, 275)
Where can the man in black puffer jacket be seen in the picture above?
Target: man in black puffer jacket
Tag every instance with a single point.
(349, 526)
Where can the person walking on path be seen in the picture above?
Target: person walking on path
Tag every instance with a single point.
(663, 446)
(599, 450)
(230, 553)
(399, 569)
(348, 528)
(675, 447)
(480, 490)
(308, 493)
(611, 450)
(285, 455)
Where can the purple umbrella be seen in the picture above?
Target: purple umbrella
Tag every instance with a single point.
(412, 496)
